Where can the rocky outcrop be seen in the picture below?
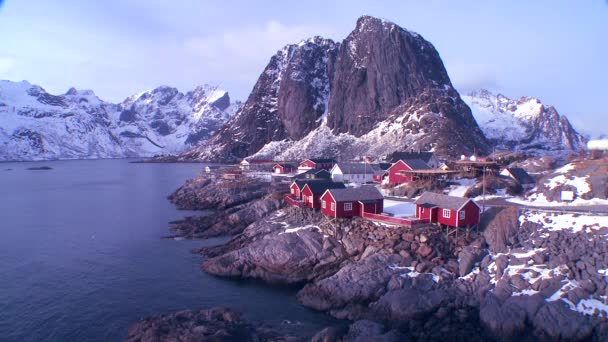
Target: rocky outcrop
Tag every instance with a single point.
(383, 87)
(216, 324)
(232, 205)
(587, 179)
(500, 226)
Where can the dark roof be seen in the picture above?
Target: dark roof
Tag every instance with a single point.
(431, 199)
(424, 156)
(521, 176)
(363, 193)
(384, 166)
(319, 187)
(287, 166)
(322, 161)
(316, 173)
(355, 168)
(301, 182)
(416, 164)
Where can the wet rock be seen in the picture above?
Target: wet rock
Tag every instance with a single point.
(217, 324)
(503, 320)
(557, 321)
(409, 303)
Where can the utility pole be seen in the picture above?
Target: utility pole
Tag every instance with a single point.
(483, 185)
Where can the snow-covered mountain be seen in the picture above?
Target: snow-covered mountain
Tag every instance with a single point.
(382, 89)
(525, 124)
(36, 125)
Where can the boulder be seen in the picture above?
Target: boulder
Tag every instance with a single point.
(500, 227)
(556, 321)
(503, 320)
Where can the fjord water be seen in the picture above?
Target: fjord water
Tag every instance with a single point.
(81, 255)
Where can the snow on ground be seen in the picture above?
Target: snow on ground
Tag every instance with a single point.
(554, 222)
(539, 200)
(398, 208)
(413, 274)
(463, 185)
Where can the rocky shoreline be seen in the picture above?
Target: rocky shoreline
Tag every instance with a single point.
(515, 278)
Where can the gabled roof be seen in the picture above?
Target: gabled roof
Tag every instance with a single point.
(520, 175)
(319, 187)
(415, 164)
(287, 166)
(431, 199)
(363, 193)
(355, 168)
(321, 161)
(317, 173)
(424, 156)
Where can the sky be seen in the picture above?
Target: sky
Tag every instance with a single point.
(554, 50)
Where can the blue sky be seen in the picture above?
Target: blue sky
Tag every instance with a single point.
(555, 50)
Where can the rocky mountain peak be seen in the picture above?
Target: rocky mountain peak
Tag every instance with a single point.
(523, 124)
(383, 87)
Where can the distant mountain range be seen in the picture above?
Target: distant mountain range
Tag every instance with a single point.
(525, 124)
(382, 89)
(36, 125)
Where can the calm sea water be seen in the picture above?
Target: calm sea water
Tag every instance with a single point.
(81, 256)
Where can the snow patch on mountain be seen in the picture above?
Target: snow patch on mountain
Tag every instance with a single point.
(36, 125)
(524, 124)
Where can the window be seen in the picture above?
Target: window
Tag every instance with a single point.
(323, 205)
(293, 191)
(305, 199)
(446, 213)
(348, 206)
(310, 199)
(461, 214)
(333, 206)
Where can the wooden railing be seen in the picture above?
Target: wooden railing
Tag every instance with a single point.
(293, 202)
(393, 220)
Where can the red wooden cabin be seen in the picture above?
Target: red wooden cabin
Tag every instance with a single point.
(448, 210)
(312, 192)
(394, 172)
(325, 164)
(283, 168)
(352, 201)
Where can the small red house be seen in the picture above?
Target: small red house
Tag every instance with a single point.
(283, 168)
(394, 172)
(448, 210)
(325, 164)
(350, 202)
(312, 191)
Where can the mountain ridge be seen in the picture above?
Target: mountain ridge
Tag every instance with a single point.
(37, 125)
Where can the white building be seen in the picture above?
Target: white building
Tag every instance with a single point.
(357, 173)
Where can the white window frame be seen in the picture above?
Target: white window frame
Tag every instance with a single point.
(293, 191)
(304, 198)
(333, 206)
(461, 215)
(311, 199)
(323, 204)
(447, 213)
(348, 206)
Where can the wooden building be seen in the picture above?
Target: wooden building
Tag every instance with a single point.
(283, 168)
(313, 174)
(312, 192)
(447, 210)
(395, 175)
(520, 176)
(358, 173)
(428, 157)
(325, 164)
(351, 202)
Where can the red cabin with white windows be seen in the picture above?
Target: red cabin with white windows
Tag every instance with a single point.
(394, 172)
(312, 192)
(448, 210)
(324, 164)
(351, 202)
(283, 168)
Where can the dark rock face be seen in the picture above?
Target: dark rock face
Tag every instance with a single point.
(378, 73)
(286, 102)
(380, 66)
(501, 225)
(217, 324)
